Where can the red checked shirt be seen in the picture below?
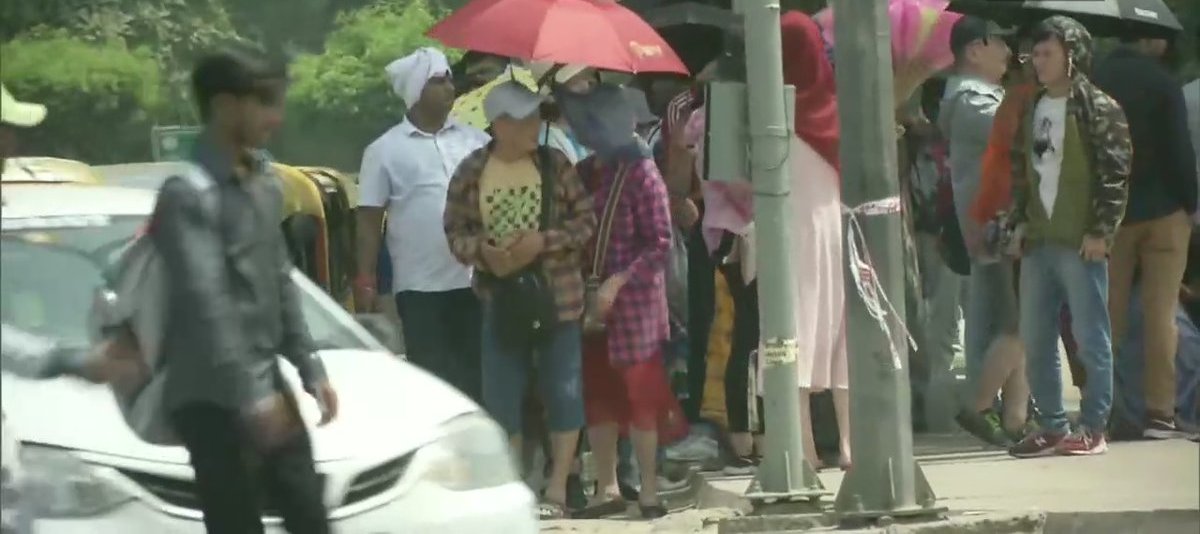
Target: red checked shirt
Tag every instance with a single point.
(639, 245)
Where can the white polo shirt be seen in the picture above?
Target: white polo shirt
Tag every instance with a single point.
(408, 171)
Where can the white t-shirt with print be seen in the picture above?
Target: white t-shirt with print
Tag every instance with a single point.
(1049, 128)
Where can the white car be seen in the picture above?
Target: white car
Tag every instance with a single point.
(407, 454)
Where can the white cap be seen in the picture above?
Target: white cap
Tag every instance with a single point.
(17, 113)
(510, 99)
(564, 74)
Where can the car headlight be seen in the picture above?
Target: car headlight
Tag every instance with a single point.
(57, 484)
(472, 453)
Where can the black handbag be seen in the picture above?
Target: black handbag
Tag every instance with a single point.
(523, 303)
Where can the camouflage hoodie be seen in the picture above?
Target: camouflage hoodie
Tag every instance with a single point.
(1103, 127)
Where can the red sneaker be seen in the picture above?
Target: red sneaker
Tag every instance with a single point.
(1038, 444)
(1083, 443)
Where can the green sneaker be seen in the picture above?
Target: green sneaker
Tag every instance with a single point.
(984, 425)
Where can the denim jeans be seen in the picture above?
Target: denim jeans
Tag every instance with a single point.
(1130, 365)
(1051, 276)
(505, 370)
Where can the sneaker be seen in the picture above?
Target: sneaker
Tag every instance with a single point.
(1162, 428)
(984, 425)
(1038, 444)
(740, 466)
(1019, 434)
(1085, 442)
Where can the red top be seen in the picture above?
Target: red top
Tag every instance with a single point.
(995, 182)
(806, 67)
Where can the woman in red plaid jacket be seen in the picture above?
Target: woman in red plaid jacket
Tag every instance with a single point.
(624, 378)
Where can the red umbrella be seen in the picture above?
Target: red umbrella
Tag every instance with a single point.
(597, 33)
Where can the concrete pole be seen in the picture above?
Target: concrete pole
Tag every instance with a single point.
(886, 481)
(784, 475)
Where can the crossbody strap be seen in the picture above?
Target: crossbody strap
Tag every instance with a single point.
(549, 177)
(606, 220)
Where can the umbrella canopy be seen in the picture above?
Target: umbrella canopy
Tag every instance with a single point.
(1103, 18)
(597, 33)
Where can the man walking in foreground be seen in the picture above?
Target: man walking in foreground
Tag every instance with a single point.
(1070, 166)
(232, 308)
(1152, 243)
(407, 172)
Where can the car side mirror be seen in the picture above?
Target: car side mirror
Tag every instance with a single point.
(383, 329)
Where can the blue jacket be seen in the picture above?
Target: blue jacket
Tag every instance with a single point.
(1163, 180)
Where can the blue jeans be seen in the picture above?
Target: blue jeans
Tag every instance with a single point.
(1051, 276)
(991, 311)
(1130, 389)
(559, 361)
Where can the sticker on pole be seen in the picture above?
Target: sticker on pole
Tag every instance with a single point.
(779, 351)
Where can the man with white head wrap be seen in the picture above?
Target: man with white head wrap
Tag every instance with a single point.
(406, 173)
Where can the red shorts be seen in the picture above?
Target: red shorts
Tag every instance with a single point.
(637, 396)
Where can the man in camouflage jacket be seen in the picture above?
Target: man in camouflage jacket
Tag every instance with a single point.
(1071, 161)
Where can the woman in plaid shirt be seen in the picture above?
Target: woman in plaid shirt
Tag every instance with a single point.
(624, 377)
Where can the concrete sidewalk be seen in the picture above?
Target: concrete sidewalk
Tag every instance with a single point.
(972, 480)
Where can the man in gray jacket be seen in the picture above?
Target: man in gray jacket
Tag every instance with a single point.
(972, 96)
(232, 308)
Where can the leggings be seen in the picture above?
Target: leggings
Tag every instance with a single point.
(745, 340)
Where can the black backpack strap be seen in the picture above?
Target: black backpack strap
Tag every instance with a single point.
(546, 168)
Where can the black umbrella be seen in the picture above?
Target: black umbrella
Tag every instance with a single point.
(1104, 18)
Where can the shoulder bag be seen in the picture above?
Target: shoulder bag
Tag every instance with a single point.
(528, 308)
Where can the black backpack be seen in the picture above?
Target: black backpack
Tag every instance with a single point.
(526, 308)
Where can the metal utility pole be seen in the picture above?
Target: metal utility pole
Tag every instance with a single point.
(886, 481)
(785, 475)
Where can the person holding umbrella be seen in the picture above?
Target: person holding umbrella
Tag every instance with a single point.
(1153, 238)
(495, 221)
(1070, 165)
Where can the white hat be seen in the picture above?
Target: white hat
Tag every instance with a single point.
(564, 74)
(510, 99)
(17, 113)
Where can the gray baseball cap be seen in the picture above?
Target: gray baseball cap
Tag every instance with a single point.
(510, 99)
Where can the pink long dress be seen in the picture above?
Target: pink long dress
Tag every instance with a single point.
(819, 297)
(817, 259)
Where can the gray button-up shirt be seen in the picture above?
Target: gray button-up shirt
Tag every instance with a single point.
(232, 306)
(965, 120)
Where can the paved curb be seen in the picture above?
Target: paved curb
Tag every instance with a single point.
(808, 518)
(1127, 521)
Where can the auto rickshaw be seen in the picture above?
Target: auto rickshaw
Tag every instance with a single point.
(331, 194)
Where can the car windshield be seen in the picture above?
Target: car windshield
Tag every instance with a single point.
(50, 268)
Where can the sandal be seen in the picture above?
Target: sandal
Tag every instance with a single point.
(652, 511)
(549, 510)
(613, 505)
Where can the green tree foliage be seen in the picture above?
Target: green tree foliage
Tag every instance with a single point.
(341, 99)
(173, 31)
(101, 100)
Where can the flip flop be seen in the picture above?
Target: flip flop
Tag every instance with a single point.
(549, 510)
(612, 506)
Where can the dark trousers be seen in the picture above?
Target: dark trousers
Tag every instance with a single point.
(701, 308)
(234, 483)
(745, 340)
(442, 334)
